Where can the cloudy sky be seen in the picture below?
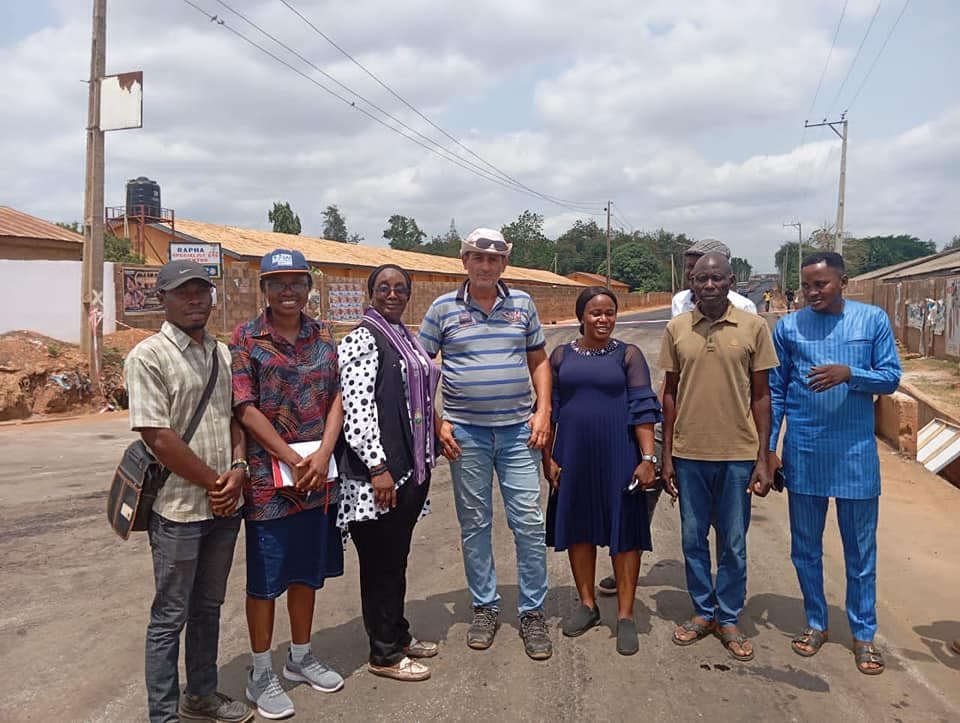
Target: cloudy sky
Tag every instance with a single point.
(688, 114)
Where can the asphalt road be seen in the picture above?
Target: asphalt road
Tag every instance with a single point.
(76, 602)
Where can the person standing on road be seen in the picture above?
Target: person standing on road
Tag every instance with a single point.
(683, 301)
(490, 339)
(791, 294)
(195, 519)
(601, 461)
(389, 429)
(716, 422)
(767, 296)
(835, 354)
(286, 389)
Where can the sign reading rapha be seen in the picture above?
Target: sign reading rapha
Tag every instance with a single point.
(207, 255)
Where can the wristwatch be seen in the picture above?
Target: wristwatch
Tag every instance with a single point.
(649, 458)
(240, 464)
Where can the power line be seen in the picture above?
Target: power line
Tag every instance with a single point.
(826, 65)
(385, 86)
(440, 150)
(456, 160)
(854, 61)
(879, 53)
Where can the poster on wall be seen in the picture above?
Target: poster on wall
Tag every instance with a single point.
(952, 316)
(139, 290)
(898, 308)
(915, 313)
(345, 301)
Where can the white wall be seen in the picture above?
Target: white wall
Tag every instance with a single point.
(44, 296)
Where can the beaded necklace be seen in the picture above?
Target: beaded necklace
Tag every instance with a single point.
(602, 351)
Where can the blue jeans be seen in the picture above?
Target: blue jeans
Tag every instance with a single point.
(505, 450)
(715, 493)
(191, 563)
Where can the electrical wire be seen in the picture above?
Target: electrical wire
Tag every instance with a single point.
(456, 160)
(454, 139)
(854, 61)
(826, 65)
(879, 53)
(439, 149)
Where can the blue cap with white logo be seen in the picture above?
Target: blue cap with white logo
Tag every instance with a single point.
(283, 261)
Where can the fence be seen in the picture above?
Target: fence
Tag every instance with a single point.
(924, 313)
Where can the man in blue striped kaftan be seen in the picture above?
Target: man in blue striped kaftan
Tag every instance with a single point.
(835, 355)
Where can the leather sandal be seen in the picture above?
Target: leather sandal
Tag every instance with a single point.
(812, 638)
(407, 670)
(692, 626)
(731, 637)
(865, 653)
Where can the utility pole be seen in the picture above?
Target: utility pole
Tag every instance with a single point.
(91, 291)
(841, 200)
(607, 209)
(799, 255)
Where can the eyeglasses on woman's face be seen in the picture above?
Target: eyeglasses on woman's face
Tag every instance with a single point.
(275, 286)
(386, 289)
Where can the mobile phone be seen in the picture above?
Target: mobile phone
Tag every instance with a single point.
(779, 481)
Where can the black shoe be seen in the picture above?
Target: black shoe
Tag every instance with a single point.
(608, 586)
(627, 643)
(536, 639)
(582, 620)
(483, 628)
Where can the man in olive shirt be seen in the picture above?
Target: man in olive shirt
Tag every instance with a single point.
(716, 411)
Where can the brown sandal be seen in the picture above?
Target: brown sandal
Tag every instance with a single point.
(731, 637)
(692, 626)
(864, 654)
(812, 638)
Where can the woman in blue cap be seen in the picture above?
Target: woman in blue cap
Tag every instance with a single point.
(286, 390)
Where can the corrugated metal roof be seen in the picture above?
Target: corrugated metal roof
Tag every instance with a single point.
(942, 263)
(255, 243)
(23, 225)
(594, 279)
(900, 269)
(938, 444)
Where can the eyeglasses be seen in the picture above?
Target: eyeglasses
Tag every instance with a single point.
(384, 290)
(490, 243)
(299, 286)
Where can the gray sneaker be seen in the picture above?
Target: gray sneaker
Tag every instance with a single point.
(312, 672)
(536, 638)
(483, 628)
(271, 699)
(216, 708)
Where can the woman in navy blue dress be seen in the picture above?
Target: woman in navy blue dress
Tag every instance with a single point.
(604, 411)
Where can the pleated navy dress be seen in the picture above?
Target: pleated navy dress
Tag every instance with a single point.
(598, 397)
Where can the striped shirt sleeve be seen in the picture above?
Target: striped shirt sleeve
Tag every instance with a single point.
(779, 382)
(431, 334)
(147, 392)
(535, 337)
(884, 375)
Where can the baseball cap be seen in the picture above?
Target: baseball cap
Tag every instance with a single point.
(485, 241)
(282, 261)
(708, 246)
(177, 273)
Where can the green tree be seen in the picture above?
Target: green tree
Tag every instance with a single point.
(788, 264)
(582, 247)
(883, 251)
(283, 218)
(741, 268)
(953, 243)
(634, 264)
(403, 233)
(70, 226)
(531, 248)
(119, 250)
(335, 225)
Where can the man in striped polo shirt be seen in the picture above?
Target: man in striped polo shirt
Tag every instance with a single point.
(491, 344)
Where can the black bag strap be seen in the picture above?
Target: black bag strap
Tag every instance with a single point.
(205, 398)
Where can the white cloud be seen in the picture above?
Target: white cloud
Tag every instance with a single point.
(687, 117)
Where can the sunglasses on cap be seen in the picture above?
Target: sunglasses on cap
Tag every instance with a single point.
(490, 243)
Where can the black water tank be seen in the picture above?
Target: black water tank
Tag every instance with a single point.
(143, 192)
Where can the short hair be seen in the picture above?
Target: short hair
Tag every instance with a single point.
(372, 278)
(589, 293)
(830, 258)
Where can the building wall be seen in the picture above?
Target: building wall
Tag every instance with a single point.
(22, 249)
(239, 299)
(940, 333)
(44, 296)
